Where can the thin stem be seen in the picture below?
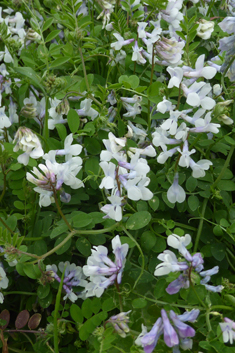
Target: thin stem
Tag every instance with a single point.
(60, 211)
(200, 225)
(70, 235)
(119, 296)
(6, 226)
(45, 125)
(225, 307)
(19, 292)
(171, 304)
(4, 183)
(224, 167)
(84, 69)
(208, 320)
(57, 304)
(141, 254)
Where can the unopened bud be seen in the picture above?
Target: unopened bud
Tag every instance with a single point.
(63, 107)
(29, 111)
(32, 35)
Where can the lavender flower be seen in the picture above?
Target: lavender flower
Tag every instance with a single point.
(102, 271)
(176, 333)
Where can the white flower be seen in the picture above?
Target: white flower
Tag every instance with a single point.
(137, 55)
(176, 193)
(199, 167)
(170, 264)
(185, 155)
(176, 242)
(196, 95)
(3, 279)
(108, 182)
(207, 72)
(4, 120)
(165, 106)
(176, 76)
(113, 211)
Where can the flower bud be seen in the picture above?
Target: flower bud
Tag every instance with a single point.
(32, 35)
(205, 29)
(29, 111)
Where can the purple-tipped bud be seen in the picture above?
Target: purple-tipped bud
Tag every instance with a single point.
(210, 272)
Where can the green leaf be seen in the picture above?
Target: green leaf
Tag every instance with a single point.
(154, 203)
(86, 308)
(31, 74)
(108, 304)
(160, 245)
(96, 305)
(126, 240)
(230, 140)
(59, 61)
(45, 302)
(32, 271)
(47, 23)
(64, 247)
(139, 303)
(193, 202)
(138, 220)
(52, 35)
(148, 240)
(83, 246)
(43, 291)
(226, 185)
(73, 120)
(191, 184)
(76, 313)
(61, 129)
(153, 92)
(218, 251)
(80, 219)
(58, 230)
(92, 145)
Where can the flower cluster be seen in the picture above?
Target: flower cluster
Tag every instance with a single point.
(101, 270)
(55, 174)
(227, 45)
(125, 176)
(193, 262)
(73, 277)
(176, 333)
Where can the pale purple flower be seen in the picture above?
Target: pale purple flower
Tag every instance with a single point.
(228, 25)
(120, 41)
(170, 336)
(137, 54)
(181, 282)
(207, 72)
(103, 272)
(227, 328)
(170, 264)
(149, 340)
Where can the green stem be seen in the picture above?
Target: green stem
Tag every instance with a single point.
(57, 304)
(224, 167)
(84, 69)
(171, 304)
(208, 320)
(141, 254)
(119, 296)
(20, 293)
(200, 225)
(60, 211)
(4, 182)
(70, 235)
(6, 226)
(225, 307)
(45, 125)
